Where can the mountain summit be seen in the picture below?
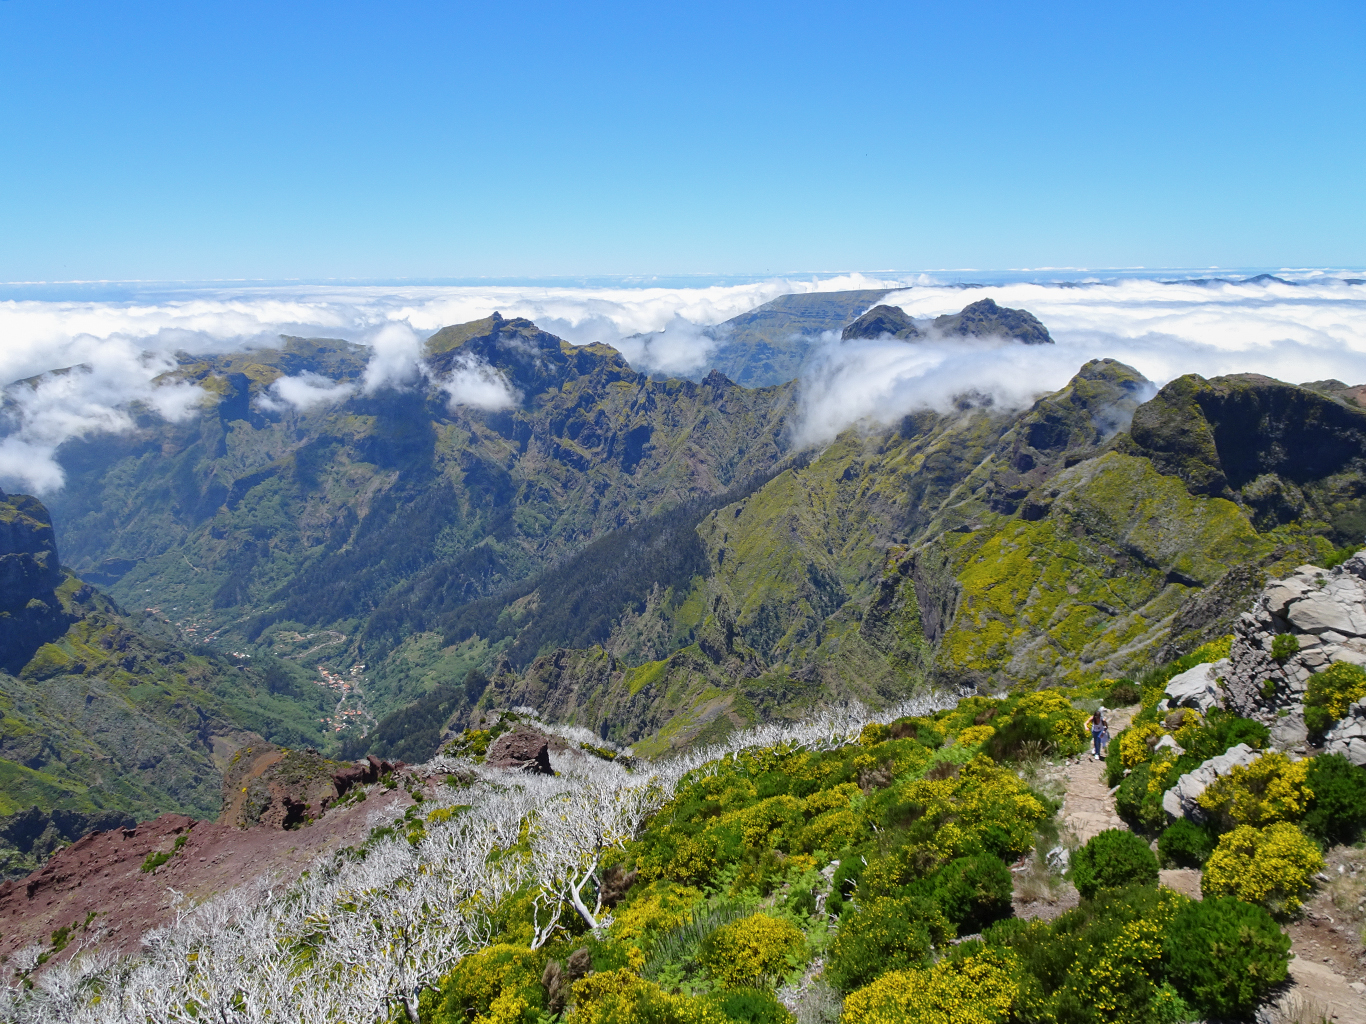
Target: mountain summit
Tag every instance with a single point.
(981, 319)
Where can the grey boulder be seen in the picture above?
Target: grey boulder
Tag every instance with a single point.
(1196, 688)
(1348, 737)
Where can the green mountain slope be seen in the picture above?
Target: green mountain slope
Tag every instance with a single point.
(335, 535)
(651, 559)
(980, 549)
(102, 721)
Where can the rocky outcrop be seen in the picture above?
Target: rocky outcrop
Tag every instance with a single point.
(524, 749)
(1196, 688)
(1324, 610)
(883, 322)
(279, 788)
(985, 319)
(30, 612)
(1348, 737)
(1182, 800)
(981, 319)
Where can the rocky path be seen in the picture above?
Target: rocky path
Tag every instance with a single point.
(1089, 807)
(1317, 992)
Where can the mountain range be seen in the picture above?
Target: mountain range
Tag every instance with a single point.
(658, 561)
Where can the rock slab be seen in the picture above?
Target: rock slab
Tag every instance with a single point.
(1182, 800)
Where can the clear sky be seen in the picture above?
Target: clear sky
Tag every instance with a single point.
(386, 140)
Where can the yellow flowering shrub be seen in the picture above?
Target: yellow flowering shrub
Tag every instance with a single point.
(621, 997)
(1270, 789)
(662, 907)
(500, 983)
(1162, 772)
(1273, 866)
(831, 830)
(982, 797)
(750, 949)
(975, 735)
(1124, 967)
(1133, 744)
(508, 1008)
(836, 797)
(976, 990)
(1066, 723)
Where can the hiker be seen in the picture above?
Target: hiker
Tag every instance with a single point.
(1100, 733)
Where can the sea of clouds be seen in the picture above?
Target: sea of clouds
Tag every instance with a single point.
(1310, 327)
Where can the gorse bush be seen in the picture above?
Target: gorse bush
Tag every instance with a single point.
(1270, 789)
(745, 952)
(1112, 860)
(885, 933)
(1330, 693)
(1225, 954)
(622, 997)
(974, 891)
(507, 975)
(1272, 866)
(973, 990)
(1184, 844)
(1337, 812)
(1098, 964)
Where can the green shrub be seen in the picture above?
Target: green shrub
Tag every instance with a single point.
(1114, 764)
(1337, 812)
(750, 1006)
(885, 934)
(974, 891)
(1100, 963)
(1141, 809)
(1219, 731)
(1123, 694)
(1184, 844)
(1224, 955)
(1019, 739)
(1284, 646)
(1330, 693)
(1112, 860)
(508, 974)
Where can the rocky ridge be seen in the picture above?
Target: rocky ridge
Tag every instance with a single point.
(1324, 610)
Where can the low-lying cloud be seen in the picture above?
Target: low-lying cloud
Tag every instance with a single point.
(478, 385)
(89, 398)
(1310, 329)
(680, 347)
(305, 392)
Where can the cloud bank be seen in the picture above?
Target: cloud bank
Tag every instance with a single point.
(1297, 332)
(1311, 328)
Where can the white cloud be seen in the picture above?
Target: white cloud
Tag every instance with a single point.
(1313, 329)
(476, 384)
(1296, 333)
(86, 399)
(679, 347)
(395, 360)
(306, 391)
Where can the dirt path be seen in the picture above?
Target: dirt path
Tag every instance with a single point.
(1088, 809)
(1321, 946)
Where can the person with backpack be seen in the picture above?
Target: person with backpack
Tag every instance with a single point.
(1100, 733)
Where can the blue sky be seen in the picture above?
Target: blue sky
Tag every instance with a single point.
(299, 140)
